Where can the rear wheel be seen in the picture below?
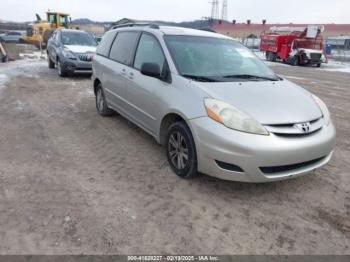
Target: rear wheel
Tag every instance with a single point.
(318, 65)
(181, 151)
(101, 104)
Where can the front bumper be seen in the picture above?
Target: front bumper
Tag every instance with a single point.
(76, 66)
(312, 58)
(283, 157)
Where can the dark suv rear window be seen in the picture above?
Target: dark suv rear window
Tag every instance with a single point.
(123, 47)
(106, 42)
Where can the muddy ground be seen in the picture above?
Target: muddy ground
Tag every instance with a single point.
(73, 182)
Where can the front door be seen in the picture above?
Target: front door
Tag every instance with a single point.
(143, 92)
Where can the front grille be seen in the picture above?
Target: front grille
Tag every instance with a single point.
(298, 135)
(315, 56)
(291, 130)
(281, 169)
(85, 57)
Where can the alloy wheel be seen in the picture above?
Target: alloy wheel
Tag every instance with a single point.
(178, 150)
(100, 100)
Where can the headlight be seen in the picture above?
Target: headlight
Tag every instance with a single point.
(232, 118)
(324, 110)
(68, 54)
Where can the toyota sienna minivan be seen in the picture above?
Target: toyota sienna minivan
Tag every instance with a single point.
(215, 106)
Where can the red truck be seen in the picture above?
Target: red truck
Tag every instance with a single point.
(296, 46)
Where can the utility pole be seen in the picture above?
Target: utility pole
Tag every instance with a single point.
(214, 9)
(224, 11)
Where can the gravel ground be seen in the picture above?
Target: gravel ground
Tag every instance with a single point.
(72, 182)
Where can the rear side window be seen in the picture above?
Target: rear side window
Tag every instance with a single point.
(106, 42)
(123, 47)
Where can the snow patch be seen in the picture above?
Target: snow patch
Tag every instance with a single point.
(37, 55)
(20, 106)
(334, 66)
(90, 92)
(343, 70)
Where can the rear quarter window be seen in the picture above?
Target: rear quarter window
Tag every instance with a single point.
(105, 44)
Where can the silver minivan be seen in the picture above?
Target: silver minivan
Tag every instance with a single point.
(215, 106)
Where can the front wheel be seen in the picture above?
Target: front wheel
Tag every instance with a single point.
(181, 151)
(61, 71)
(295, 61)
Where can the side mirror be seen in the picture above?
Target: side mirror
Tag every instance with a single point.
(151, 69)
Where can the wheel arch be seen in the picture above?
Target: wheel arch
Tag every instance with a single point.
(167, 121)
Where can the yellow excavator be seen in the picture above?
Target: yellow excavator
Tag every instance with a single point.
(40, 31)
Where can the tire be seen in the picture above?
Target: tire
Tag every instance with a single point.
(61, 71)
(180, 145)
(49, 62)
(318, 65)
(101, 104)
(273, 57)
(295, 61)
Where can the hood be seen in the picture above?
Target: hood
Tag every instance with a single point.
(81, 48)
(270, 103)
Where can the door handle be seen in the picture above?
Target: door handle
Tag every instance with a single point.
(131, 75)
(123, 72)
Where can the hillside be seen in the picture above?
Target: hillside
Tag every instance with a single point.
(188, 24)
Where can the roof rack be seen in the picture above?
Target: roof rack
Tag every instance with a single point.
(150, 25)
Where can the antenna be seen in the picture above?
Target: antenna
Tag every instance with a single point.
(214, 9)
(224, 11)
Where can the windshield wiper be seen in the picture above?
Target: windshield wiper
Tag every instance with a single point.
(200, 78)
(247, 76)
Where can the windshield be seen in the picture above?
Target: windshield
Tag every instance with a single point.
(308, 44)
(216, 60)
(78, 38)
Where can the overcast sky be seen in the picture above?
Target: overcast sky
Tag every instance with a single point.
(275, 11)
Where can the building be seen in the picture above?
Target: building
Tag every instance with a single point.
(243, 30)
